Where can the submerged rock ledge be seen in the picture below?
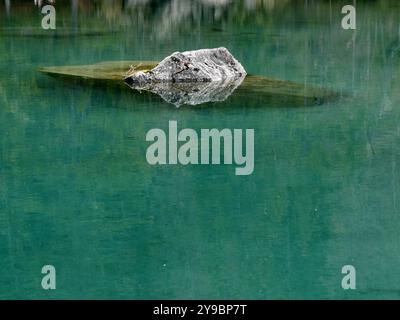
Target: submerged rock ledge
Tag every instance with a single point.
(272, 92)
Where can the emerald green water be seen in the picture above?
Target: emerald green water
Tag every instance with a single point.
(76, 191)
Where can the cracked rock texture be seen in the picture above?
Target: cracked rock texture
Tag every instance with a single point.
(205, 65)
(191, 77)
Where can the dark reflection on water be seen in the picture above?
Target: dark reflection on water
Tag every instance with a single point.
(76, 190)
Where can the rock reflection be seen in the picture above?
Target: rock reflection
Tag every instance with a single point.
(194, 93)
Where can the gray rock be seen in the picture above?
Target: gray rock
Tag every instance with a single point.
(203, 65)
(191, 77)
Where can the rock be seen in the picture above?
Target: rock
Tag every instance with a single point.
(206, 65)
(191, 77)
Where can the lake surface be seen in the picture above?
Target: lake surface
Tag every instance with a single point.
(77, 192)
